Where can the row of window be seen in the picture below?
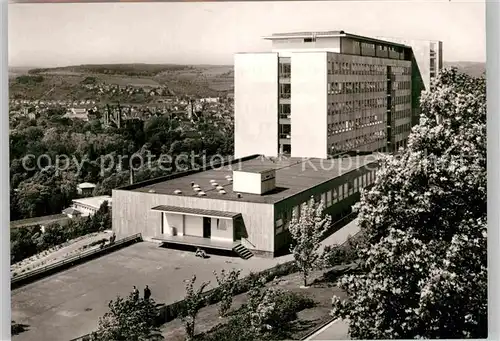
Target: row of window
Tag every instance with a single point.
(335, 88)
(401, 70)
(402, 128)
(402, 85)
(78, 206)
(358, 141)
(344, 68)
(402, 114)
(338, 108)
(328, 198)
(402, 99)
(348, 125)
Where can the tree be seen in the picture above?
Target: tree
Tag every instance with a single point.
(32, 199)
(194, 301)
(22, 243)
(227, 284)
(424, 263)
(307, 231)
(129, 319)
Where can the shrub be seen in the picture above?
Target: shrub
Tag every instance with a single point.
(235, 329)
(270, 310)
(346, 253)
(129, 319)
(227, 283)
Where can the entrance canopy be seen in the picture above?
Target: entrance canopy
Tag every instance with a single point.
(196, 212)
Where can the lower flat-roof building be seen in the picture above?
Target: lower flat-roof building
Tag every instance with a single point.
(87, 206)
(246, 203)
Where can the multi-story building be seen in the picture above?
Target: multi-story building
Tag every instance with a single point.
(427, 62)
(318, 94)
(428, 56)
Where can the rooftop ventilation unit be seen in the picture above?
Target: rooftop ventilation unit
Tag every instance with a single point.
(212, 181)
(178, 191)
(255, 180)
(227, 176)
(197, 189)
(215, 184)
(219, 188)
(196, 186)
(202, 194)
(222, 191)
(238, 195)
(152, 191)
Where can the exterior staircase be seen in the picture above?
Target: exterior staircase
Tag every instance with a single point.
(242, 251)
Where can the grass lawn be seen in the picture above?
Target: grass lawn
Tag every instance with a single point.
(48, 219)
(321, 291)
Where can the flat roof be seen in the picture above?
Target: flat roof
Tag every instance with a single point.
(195, 211)
(250, 168)
(327, 34)
(86, 185)
(293, 176)
(94, 201)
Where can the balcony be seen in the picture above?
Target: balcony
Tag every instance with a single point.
(285, 74)
(284, 121)
(285, 95)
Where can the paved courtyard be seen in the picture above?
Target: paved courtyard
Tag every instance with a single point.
(68, 304)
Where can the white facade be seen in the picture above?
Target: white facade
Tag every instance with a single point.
(257, 99)
(256, 104)
(309, 104)
(89, 206)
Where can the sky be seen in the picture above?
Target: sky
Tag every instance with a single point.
(48, 35)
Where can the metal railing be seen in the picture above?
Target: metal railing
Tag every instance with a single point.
(75, 259)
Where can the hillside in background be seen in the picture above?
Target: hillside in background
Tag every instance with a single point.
(202, 80)
(64, 82)
(474, 69)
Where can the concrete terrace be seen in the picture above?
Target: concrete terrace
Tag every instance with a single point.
(293, 175)
(68, 304)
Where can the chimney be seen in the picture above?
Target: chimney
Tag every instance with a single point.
(131, 172)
